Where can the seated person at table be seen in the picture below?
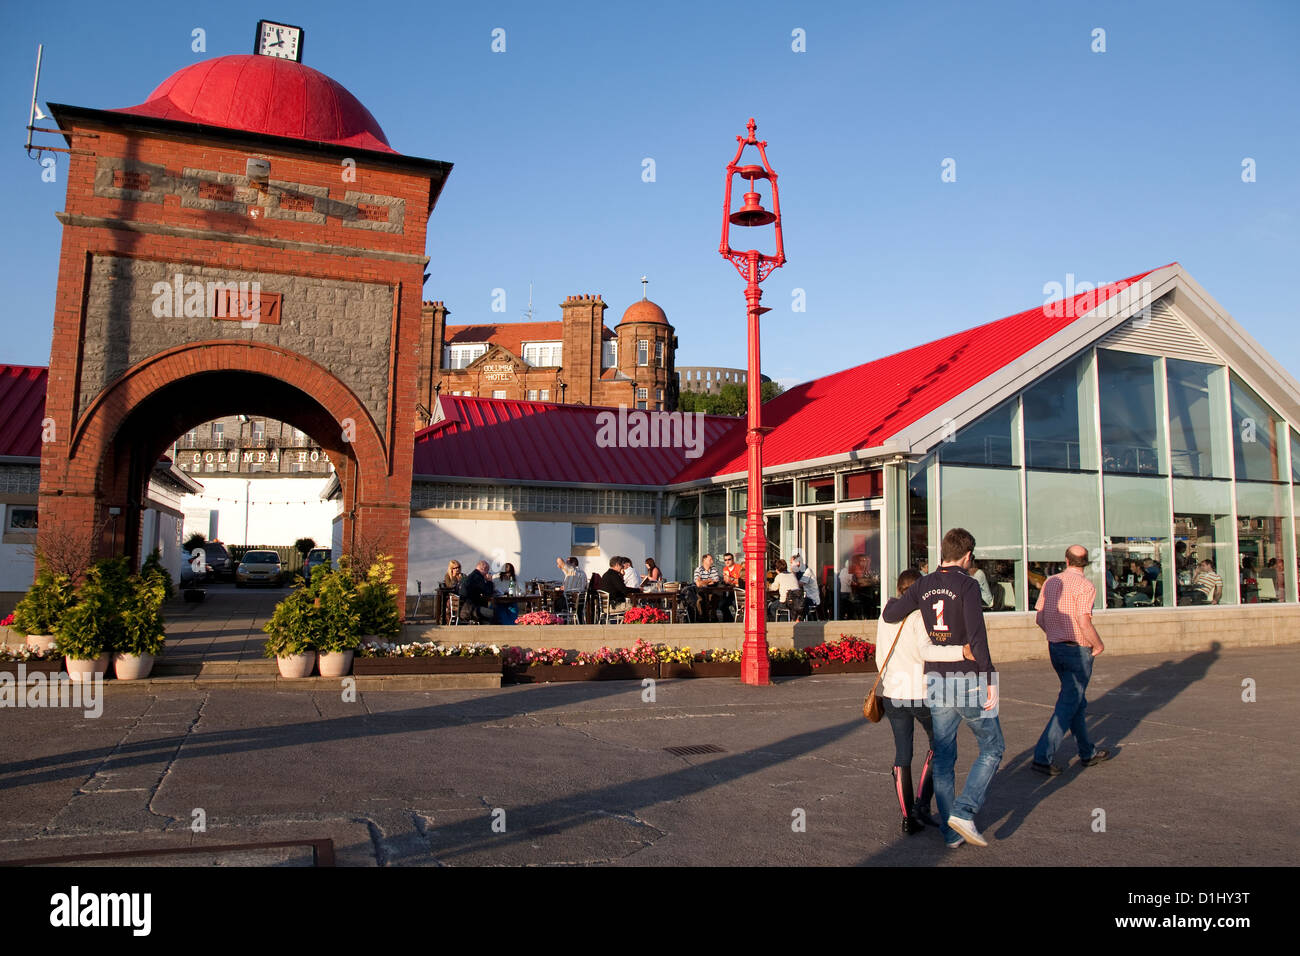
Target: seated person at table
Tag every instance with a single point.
(849, 606)
(654, 578)
(508, 613)
(811, 593)
(453, 576)
(986, 594)
(789, 592)
(733, 573)
(611, 582)
(476, 595)
(1208, 582)
(575, 579)
(631, 580)
(707, 601)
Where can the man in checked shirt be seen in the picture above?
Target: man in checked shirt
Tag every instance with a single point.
(1065, 614)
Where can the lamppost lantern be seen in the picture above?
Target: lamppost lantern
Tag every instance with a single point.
(754, 267)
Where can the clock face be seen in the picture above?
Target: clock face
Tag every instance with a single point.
(279, 39)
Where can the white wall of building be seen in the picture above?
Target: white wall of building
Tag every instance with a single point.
(162, 531)
(274, 510)
(531, 546)
(17, 566)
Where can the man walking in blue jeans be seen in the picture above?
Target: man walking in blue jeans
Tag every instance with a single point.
(1065, 614)
(950, 605)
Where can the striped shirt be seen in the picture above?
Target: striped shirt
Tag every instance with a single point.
(1065, 600)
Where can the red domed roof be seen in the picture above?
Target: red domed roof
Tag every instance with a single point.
(265, 94)
(644, 310)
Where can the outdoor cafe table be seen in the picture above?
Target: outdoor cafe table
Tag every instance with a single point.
(639, 598)
(712, 597)
(529, 602)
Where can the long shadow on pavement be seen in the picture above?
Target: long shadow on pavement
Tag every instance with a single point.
(1013, 795)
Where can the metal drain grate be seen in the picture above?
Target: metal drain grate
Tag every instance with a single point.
(695, 749)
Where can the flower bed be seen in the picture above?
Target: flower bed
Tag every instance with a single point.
(427, 657)
(32, 661)
(539, 617)
(848, 655)
(645, 615)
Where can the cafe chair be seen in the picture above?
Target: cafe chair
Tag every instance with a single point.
(575, 602)
(603, 613)
(453, 609)
(739, 616)
(1008, 595)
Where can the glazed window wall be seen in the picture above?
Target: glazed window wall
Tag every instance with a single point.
(1062, 512)
(989, 440)
(922, 519)
(1261, 542)
(1058, 416)
(1138, 556)
(1130, 412)
(1198, 433)
(986, 502)
(1203, 531)
(1257, 431)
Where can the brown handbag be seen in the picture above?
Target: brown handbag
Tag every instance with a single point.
(873, 707)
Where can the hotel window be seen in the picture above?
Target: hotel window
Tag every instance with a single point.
(259, 432)
(462, 356)
(659, 354)
(21, 518)
(190, 438)
(545, 395)
(641, 398)
(498, 393)
(546, 354)
(218, 435)
(532, 394)
(609, 353)
(643, 352)
(659, 399)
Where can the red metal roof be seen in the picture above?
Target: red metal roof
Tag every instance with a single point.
(268, 95)
(543, 441)
(22, 408)
(862, 406)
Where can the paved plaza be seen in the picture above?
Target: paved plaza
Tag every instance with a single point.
(579, 774)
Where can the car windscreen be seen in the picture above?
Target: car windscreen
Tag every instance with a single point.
(261, 557)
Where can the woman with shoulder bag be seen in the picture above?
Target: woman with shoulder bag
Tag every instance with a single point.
(905, 648)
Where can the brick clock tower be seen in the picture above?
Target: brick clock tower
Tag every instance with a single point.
(244, 241)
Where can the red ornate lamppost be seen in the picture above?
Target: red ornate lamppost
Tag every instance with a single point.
(754, 267)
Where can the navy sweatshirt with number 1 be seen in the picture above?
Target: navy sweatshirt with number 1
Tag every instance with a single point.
(950, 606)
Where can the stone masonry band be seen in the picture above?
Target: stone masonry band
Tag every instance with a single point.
(345, 327)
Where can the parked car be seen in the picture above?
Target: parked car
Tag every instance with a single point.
(259, 567)
(188, 574)
(314, 557)
(219, 560)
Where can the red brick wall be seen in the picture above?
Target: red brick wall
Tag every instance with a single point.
(83, 470)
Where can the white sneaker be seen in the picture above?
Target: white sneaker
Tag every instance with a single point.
(967, 829)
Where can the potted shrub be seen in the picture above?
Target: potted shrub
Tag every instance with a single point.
(289, 641)
(427, 657)
(91, 629)
(334, 622)
(142, 631)
(376, 604)
(37, 615)
(152, 568)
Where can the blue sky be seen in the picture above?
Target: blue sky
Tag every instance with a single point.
(1068, 161)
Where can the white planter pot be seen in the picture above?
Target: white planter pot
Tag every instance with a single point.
(84, 671)
(41, 642)
(297, 665)
(132, 666)
(335, 663)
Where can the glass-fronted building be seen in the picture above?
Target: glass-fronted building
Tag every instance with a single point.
(1139, 421)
